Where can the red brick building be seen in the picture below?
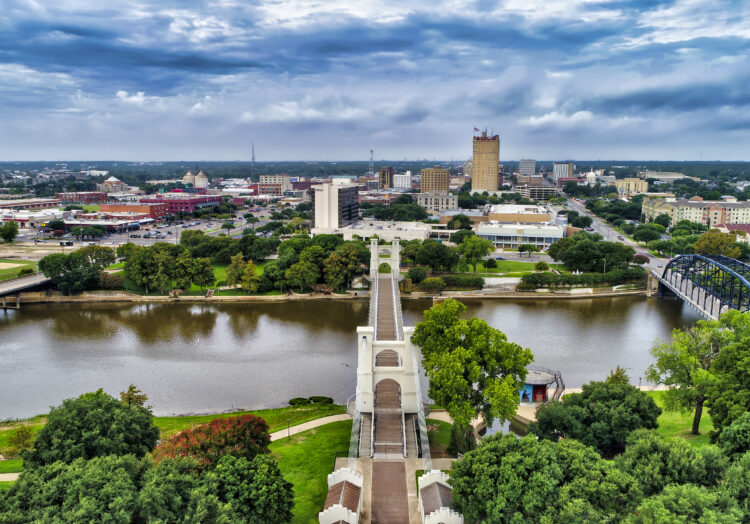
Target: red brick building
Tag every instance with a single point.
(152, 210)
(82, 197)
(184, 202)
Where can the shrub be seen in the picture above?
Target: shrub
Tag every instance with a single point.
(245, 436)
(26, 271)
(490, 263)
(463, 281)
(417, 274)
(321, 400)
(734, 440)
(432, 285)
(107, 281)
(548, 279)
(299, 401)
(541, 266)
(640, 259)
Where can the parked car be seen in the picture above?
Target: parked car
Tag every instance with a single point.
(589, 229)
(620, 237)
(135, 235)
(499, 258)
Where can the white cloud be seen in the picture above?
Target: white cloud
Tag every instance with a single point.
(136, 99)
(556, 118)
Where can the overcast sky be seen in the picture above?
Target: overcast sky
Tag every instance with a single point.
(330, 79)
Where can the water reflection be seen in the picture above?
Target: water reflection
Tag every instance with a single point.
(198, 357)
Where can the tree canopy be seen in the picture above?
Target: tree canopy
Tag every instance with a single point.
(472, 367)
(602, 416)
(92, 425)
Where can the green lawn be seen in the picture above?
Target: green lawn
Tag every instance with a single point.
(512, 266)
(678, 425)
(439, 433)
(11, 466)
(220, 275)
(306, 459)
(12, 272)
(6, 485)
(6, 430)
(276, 418)
(118, 265)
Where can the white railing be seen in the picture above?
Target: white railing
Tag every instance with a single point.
(396, 307)
(372, 435)
(403, 434)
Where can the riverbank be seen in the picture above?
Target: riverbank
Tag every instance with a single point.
(45, 297)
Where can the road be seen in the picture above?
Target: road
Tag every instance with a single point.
(611, 234)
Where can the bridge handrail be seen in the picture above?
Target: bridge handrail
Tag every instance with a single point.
(708, 259)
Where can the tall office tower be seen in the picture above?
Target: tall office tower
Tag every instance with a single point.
(484, 163)
(385, 177)
(402, 181)
(436, 179)
(335, 205)
(527, 167)
(562, 170)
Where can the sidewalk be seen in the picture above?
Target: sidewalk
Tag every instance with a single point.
(276, 435)
(8, 477)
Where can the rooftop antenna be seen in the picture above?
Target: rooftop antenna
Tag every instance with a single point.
(372, 167)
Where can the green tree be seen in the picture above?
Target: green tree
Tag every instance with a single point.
(663, 220)
(618, 376)
(436, 256)
(687, 503)
(228, 226)
(460, 235)
(417, 274)
(714, 242)
(255, 489)
(103, 489)
(133, 397)
(141, 267)
(21, 439)
(474, 249)
(9, 231)
(734, 440)
(656, 462)
(648, 232)
(459, 221)
(315, 255)
(511, 480)
(528, 248)
(164, 271)
(302, 275)
(602, 416)
(183, 270)
(472, 367)
(541, 266)
(684, 365)
(250, 281)
(737, 482)
(729, 396)
(92, 425)
(235, 270)
(203, 273)
(335, 271)
(56, 225)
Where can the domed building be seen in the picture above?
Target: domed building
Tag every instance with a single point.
(189, 179)
(201, 181)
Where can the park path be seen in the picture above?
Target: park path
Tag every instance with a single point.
(299, 428)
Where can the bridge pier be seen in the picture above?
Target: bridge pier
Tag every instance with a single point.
(7, 305)
(652, 286)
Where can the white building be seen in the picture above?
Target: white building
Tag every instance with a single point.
(402, 181)
(510, 236)
(527, 167)
(437, 202)
(32, 218)
(336, 205)
(562, 170)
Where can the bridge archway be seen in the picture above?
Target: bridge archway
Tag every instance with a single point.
(391, 255)
(388, 394)
(387, 358)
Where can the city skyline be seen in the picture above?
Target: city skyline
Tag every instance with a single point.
(561, 80)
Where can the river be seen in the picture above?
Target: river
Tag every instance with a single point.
(209, 358)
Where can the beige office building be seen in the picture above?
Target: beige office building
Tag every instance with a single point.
(385, 178)
(436, 179)
(631, 186)
(437, 202)
(484, 163)
(710, 213)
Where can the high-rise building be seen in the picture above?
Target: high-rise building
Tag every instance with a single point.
(335, 205)
(385, 177)
(562, 170)
(527, 167)
(436, 179)
(484, 163)
(402, 181)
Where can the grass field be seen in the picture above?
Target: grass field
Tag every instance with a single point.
(439, 433)
(679, 425)
(512, 266)
(18, 265)
(6, 485)
(276, 418)
(11, 466)
(306, 459)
